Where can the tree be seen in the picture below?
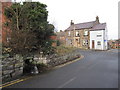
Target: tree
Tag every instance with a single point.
(30, 30)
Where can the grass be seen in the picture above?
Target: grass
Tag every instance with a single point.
(61, 50)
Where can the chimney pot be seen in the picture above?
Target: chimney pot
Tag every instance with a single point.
(71, 23)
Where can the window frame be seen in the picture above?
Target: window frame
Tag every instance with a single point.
(99, 43)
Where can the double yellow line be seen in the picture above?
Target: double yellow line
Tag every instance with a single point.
(14, 82)
(21, 80)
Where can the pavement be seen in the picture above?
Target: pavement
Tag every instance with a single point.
(98, 69)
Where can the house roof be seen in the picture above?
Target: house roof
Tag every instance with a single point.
(87, 25)
(100, 26)
(60, 34)
(79, 26)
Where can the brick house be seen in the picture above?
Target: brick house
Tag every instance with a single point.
(5, 31)
(78, 35)
(54, 38)
(117, 44)
(114, 44)
(61, 36)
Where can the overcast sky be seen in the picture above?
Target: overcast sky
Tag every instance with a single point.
(61, 12)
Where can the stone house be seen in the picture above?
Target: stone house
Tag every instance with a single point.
(78, 35)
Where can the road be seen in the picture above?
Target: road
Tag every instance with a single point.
(98, 69)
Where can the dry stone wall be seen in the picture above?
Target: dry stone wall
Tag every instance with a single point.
(12, 67)
(55, 59)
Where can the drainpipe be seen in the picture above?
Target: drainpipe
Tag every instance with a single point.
(74, 36)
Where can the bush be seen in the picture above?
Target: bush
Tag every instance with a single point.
(61, 50)
(58, 43)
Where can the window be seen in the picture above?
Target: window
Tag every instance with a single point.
(85, 33)
(77, 33)
(69, 33)
(99, 35)
(85, 42)
(98, 43)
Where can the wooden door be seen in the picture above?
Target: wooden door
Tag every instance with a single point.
(93, 44)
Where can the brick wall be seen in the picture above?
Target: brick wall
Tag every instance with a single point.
(5, 30)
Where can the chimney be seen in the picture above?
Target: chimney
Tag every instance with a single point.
(71, 23)
(97, 20)
(60, 30)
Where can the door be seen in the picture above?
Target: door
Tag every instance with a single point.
(93, 44)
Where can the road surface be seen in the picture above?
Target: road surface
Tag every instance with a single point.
(98, 69)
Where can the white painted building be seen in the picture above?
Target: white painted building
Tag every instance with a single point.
(98, 37)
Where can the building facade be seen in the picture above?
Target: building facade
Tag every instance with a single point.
(61, 37)
(4, 31)
(98, 37)
(80, 35)
(114, 44)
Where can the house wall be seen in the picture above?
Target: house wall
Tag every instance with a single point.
(103, 39)
(106, 38)
(77, 41)
(3, 19)
(61, 37)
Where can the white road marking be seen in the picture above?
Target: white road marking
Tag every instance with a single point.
(67, 82)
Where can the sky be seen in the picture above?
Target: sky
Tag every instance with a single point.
(61, 12)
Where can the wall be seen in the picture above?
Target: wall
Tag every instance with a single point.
(55, 60)
(80, 38)
(93, 36)
(12, 67)
(3, 20)
(106, 38)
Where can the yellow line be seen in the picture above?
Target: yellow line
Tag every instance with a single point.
(69, 62)
(9, 82)
(14, 82)
(20, 80)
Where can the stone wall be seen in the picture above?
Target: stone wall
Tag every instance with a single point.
(78, 39)
(55, 59)
(12, 67)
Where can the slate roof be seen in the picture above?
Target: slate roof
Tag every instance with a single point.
(87, 25)
(100, 26)
(60, 34)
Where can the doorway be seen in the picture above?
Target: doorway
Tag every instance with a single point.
(93, 44)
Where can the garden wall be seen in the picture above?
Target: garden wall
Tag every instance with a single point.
(55, 59)
(12, 67)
